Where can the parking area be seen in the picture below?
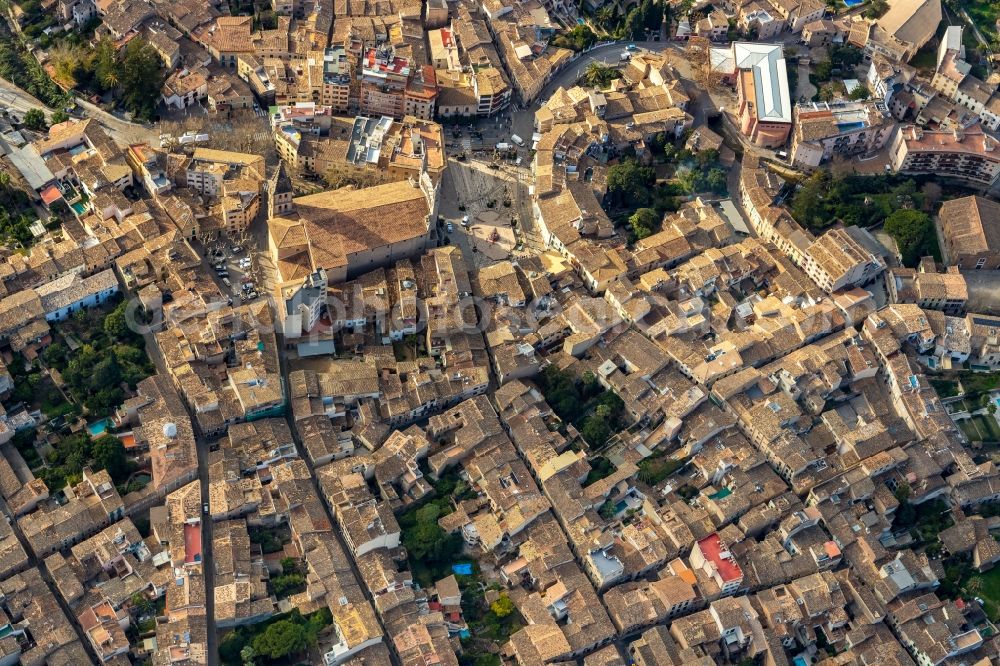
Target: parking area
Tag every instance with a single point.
(236, 267)
(486, 202)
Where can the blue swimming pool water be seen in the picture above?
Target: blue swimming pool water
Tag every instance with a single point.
(464, 569)
(722, 494)
(79, 207)
(848, 127)
(98, 428)
(853, 3)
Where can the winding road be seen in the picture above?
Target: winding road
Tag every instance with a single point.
(122, 131)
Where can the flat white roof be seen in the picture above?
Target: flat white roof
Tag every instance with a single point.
(770, 78)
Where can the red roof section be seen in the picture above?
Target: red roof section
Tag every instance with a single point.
(192, 543)
(712, 549)
(50, 195)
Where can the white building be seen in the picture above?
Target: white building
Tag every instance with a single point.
(70, 293)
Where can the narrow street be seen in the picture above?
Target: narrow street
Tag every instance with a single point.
(122, 131)
(283, 364)
(202, 445)
(35, 562)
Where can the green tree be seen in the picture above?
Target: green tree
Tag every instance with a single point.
(268, 19)
(55, 355)
(604, 16)
(287, 584)
(503, 606)
(109, 453)
(607, 510)
(860, 93)
(655, 469)
(425, 540)
(105, 64)
(59, 116)
(248, 655)
(648, 15)
(913, 231)
(578, 38)
(141, 603)
(629, 182)
(116, 323)
(808, 202)
(902, 492)
(34, 119)
(716, 181)
(707, 158)
(316, 622)
(823, 70)
(141, 74)
(599, 75)
(281, 639)
(876, 9)
(846, 56)
(644, 222)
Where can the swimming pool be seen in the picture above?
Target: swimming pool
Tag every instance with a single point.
(722, 494)
(142, 477)
(853, 3)
(98, 428)
(850, 127)
(79, 207)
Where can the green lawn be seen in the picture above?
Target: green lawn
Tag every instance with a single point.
(946, 388)
(987, 587)
(980, 429)
(977, 383)
(984, 15)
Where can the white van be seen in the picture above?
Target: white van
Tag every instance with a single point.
(503, 146)
(517, 140)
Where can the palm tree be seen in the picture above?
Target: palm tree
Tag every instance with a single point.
(111, 80)
(65, 59)
(598, 75)
(605, 15)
